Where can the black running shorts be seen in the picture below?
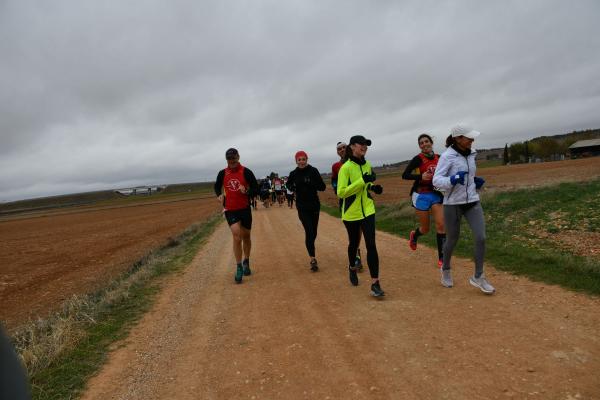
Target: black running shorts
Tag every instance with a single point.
(244, 216)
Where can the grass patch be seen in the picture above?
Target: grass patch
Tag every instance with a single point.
(489, 163)
(60, 353)
(521, 231)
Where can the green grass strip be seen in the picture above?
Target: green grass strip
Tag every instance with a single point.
(66, 376)
(520, 226)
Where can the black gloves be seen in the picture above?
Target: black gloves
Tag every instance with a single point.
(378, 189)
(369, 178)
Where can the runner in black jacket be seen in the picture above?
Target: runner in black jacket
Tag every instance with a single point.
(306, 180)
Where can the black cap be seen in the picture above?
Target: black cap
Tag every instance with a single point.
(231, 152)
(360, 139)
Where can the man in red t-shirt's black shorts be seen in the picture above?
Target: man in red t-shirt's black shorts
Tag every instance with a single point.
(235, 186)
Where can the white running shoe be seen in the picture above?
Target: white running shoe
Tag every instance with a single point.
(482, 284)
(447, 278)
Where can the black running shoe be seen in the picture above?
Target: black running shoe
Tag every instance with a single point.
(239, 274)
(353, 276)
(314, 266)
(358, 264)
(376, 290)
(246, 264)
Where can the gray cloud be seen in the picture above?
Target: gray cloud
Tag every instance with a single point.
(96, 96)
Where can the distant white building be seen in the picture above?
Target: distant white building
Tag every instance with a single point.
(140, 190)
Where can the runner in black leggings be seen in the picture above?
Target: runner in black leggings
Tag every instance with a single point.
(306, 180)
(355, 184)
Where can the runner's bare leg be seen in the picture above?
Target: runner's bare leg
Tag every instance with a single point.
(236, 231)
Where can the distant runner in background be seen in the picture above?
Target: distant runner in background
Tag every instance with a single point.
(265, 192)
(425, 198)
(289, 195)
(272, 191)
(455, 174)
(234, 187)
(305, 181)
(335, 169)
(279, 192)
(355, 182)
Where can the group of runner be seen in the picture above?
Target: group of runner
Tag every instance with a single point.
(273, 190)
(444, 186)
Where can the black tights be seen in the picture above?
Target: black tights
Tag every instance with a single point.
(310, 222)
(368, 228)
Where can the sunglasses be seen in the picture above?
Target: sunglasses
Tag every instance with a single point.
(300, 159)
(231, 158)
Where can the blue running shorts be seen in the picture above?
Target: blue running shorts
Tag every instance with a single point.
(424, 201)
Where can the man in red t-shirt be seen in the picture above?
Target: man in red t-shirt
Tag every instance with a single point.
(235, 186)
(335, 168)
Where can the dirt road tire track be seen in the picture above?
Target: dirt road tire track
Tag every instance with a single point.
(288, 333)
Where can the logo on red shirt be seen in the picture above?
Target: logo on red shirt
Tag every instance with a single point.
(233, 184)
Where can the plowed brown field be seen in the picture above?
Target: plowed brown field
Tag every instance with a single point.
(48, 257)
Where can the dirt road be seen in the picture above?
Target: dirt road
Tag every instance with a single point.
(289, 333)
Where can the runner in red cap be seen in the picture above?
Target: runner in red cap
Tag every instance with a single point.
(306, 180)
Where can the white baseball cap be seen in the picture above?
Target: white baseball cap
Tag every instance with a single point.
(464, 130)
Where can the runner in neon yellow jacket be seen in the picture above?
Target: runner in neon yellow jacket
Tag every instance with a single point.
(353, 190)
(355, 181)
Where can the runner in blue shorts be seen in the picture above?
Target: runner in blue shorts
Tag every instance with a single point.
(425, 198)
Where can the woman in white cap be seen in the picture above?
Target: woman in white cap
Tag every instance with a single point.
(455, 175)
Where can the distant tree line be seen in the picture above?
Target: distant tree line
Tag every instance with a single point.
(545, 147)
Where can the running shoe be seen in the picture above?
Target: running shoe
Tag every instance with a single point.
(376, 290)
(447, 278)
(440, 263)
(353, 276)
(239, 274)
(412, 241)
(314, 266)
(482, 284)
(358, 264)
(246, 265)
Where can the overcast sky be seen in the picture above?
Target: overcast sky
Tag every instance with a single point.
(108, 94)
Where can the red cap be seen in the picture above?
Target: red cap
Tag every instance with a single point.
(301, 153)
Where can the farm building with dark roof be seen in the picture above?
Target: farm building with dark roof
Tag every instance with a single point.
(585, 148)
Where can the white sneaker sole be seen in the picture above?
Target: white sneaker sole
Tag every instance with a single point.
(481, 288)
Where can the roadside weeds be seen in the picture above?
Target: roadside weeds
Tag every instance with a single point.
(63, 350)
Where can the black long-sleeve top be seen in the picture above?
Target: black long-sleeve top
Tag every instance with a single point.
(408, 173)
(306, 182)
